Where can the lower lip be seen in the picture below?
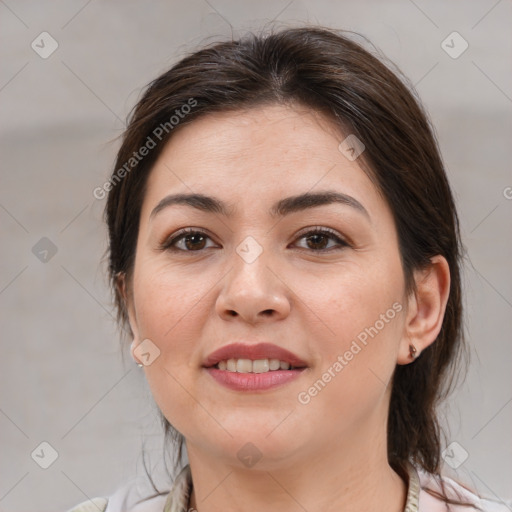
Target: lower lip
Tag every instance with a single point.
(253, 381)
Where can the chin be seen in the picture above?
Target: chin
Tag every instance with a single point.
(253, 448)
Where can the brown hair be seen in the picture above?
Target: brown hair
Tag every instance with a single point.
(324, 70)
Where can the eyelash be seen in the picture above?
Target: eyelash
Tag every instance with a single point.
(168, 244)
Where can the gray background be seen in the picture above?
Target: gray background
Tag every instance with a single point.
(63, 379)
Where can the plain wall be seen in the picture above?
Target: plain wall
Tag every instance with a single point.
(62, 377)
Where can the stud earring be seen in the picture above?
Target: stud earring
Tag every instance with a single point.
(412, 351)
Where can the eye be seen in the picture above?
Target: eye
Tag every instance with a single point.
(192, 240)
(317, 239)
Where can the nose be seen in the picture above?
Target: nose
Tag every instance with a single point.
(254, 292)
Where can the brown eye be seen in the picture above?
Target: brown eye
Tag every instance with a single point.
(189, 240)
(318, 239)
(196, 241)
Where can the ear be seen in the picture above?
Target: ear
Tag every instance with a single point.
(127, 298)
(426, 308)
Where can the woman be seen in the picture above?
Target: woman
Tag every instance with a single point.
(284, 250)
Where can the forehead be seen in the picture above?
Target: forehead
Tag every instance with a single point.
(284, 132)
(254, 154)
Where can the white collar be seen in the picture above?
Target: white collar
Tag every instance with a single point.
(179, 496)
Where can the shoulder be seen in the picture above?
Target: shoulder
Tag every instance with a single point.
(94, 505)
(454, 491)
(125, 498)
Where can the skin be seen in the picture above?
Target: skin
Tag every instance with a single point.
(326, 455)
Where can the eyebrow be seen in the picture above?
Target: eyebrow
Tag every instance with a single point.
(283, 207)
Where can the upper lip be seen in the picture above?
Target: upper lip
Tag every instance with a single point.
(256, 351)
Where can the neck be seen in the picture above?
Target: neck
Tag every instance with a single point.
(352, 475)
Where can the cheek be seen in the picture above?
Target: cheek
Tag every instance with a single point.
(358, 357)
(362, 312)
(165, 300)
(353, 298)
(167, 309)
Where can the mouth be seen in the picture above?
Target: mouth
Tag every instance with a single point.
(253, 367)
(257, 358)
(256, 366)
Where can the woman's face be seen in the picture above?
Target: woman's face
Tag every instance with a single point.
(253, 275)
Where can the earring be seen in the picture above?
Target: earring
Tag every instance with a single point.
(412, 351)
(140, 365)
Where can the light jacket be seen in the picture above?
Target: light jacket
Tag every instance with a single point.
(418, 499)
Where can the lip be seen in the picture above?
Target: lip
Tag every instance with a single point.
(256, 351)
(253, 381)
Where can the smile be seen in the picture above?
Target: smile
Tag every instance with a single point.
(256, 366)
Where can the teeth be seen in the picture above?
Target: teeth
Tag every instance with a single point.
(250, 366)
(260, 366)
(274, 364)
(243, 365)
